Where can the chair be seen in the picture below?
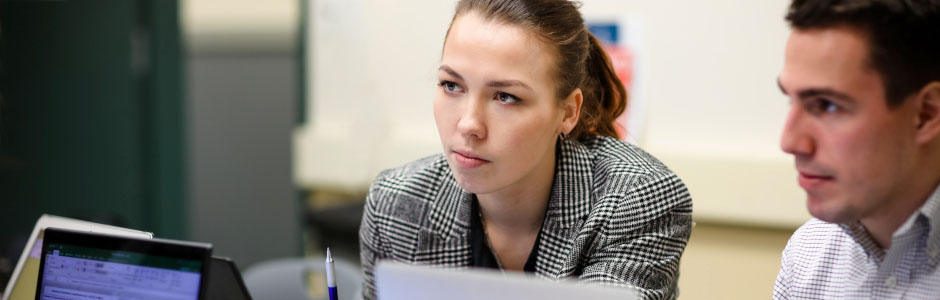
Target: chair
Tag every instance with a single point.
(302, 279)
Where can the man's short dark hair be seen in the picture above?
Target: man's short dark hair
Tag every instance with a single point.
(903, 37)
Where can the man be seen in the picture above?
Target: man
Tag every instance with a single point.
(863, 78)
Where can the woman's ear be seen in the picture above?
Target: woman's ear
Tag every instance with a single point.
(571, 108)
(927, 119)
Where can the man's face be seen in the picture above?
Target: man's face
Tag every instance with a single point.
(853, 153)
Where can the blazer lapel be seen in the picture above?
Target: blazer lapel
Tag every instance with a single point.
(568, 207)
(445, 241)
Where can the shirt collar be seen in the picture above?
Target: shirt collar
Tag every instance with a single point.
(860, 235)
(931, 211)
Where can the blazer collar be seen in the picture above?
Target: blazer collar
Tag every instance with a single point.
(568, 205)
(570, 200)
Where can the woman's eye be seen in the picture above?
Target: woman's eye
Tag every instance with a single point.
(450, 86)
(507, 98)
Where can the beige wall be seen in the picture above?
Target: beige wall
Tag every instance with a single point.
(240, 25)
(731, 262)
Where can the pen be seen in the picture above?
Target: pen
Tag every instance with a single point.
(330, 277)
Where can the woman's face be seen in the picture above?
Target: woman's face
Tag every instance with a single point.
(495, 107)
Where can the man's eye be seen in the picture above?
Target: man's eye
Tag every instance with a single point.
(822, 106)
(450, 86)
(507, 98)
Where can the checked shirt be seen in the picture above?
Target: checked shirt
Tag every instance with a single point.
(833, 261)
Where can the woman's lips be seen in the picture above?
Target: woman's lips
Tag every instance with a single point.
(468, 161)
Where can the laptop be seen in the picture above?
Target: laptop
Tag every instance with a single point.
(86, 265)
(225, 281)
(22, 284)
(401, 281)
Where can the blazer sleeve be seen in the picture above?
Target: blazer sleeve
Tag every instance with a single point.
(370, 246)
(644, 239)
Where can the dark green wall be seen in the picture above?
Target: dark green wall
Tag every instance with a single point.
(91, 114)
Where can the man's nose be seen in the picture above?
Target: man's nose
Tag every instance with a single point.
(796, 138)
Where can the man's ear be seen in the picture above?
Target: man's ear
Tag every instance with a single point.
(927, 120)
(571, 107)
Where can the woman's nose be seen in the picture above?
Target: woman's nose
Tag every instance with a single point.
(472, 118)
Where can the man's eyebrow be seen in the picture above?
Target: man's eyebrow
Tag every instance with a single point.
(823, 92)
(816, 92)
(450, 71)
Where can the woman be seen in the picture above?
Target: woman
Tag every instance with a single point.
(532, 177)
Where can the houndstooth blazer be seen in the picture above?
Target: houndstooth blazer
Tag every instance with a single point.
(616, 216)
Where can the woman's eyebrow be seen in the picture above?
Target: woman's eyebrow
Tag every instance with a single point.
(507, 83)
(494, 84)
(450, 71)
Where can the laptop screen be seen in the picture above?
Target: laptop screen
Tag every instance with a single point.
(134, 270)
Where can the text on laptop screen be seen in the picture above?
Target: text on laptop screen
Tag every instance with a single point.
(75, 272)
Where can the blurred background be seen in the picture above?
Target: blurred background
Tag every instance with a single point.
(258, 125)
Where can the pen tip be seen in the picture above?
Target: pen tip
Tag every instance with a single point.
(328, 256)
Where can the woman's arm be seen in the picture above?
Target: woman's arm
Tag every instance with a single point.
(646, 234)
(369, 248)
